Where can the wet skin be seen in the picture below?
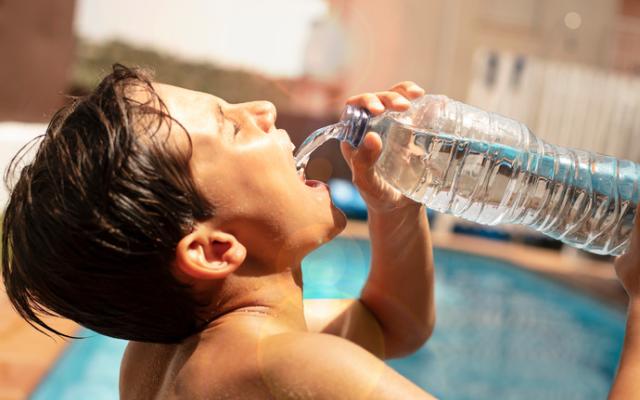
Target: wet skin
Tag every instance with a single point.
(263, 340)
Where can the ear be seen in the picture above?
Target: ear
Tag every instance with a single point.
(207, 253)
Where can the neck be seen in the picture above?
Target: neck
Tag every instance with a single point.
(275, 297)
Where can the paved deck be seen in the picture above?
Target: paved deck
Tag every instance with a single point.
(25, 354)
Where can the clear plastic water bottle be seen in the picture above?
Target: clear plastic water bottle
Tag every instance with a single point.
(487, 168)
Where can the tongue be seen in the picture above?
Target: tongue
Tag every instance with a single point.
(312, 183)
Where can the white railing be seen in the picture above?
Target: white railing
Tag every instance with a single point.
(565, 104)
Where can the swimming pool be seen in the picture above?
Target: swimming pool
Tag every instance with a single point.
(501, 333)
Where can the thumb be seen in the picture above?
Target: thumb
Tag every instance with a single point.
(347, 152)
(635, 234)
(366, 155)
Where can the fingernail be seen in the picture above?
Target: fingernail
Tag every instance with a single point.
(401, 101)
(377, 106)
(367, 145)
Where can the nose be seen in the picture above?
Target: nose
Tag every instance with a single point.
(264, 114)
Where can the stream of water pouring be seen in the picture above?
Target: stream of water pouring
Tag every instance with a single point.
(315, 140)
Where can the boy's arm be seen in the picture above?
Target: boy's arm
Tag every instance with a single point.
(348, 319)
(399, 291)
(400, 288)
(627, 381)
(395, 314)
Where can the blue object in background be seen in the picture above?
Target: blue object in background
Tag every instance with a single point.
(88, 369)
(346, 197)
(501, 332)
(489, 232)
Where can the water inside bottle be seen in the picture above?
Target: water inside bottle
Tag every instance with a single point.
(445, 173)
(311, 143)
(568, 196)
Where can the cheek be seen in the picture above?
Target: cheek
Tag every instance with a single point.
(268, 173)
(263, 192)
(263, 184)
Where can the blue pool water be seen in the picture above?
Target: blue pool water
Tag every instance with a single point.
(501, 333)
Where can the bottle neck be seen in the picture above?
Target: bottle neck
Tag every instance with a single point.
(355, 122)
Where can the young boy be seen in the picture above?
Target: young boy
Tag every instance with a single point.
(178, 221)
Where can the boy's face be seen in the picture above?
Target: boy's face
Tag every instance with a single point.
(245, 167)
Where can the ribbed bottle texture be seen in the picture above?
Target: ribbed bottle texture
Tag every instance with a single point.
(490, 169)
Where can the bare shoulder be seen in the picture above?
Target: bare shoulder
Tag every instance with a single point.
(142, 369)
(292, 365)
(323, 366)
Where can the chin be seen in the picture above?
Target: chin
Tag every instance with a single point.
(333, 229)
(339, 221)
(326, 225)
(324, 232)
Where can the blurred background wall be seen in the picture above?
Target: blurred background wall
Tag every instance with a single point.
(36, 49)
(568, 68)
(434, 41)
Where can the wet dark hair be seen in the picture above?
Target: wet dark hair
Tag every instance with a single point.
(92, 225)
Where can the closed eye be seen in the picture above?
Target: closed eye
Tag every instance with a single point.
(236, 127)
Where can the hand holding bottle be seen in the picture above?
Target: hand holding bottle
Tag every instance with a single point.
(376, 192)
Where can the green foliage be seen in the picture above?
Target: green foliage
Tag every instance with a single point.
(93, 61)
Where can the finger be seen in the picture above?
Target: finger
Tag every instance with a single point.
(407, 86)
(369, 101)
(363, 161)
(408, 89)
(365, 156)
(347, 153)
(393, 101)
(634, 244)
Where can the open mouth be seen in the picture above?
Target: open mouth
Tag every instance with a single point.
(309, 182)
(300, 171)
(316, 184)
(312, 183)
